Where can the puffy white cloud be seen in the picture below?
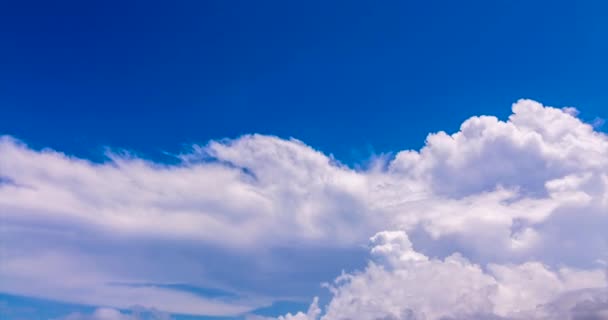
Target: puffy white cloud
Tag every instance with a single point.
(313, 312)
(525, 198)
(401, 283)
(537, 144)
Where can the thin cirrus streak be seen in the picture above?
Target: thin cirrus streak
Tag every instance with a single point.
(501, 220)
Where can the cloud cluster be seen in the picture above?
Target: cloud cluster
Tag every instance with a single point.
(525, 199)
(403, 284)
(492, 221)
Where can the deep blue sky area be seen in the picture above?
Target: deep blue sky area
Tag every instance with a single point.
(347, 77)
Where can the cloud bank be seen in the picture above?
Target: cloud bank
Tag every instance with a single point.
(502, 219)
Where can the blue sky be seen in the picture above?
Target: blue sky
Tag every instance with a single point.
(352, 80)
(150, 76)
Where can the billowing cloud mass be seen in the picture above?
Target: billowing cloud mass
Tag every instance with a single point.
(500, 220)
(404, 284)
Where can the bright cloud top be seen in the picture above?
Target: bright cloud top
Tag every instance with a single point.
(501, 219)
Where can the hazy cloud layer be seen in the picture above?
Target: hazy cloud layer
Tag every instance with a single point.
(113, 314)
(502, 219)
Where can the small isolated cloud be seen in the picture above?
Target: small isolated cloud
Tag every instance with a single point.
(502, 219)
(598, 123)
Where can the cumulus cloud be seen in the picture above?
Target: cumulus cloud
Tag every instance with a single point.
(534, 146)
(401, 283)
(492, 220)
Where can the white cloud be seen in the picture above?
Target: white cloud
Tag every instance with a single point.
(401, 283)
(113, 314)
(526, 196)
(536, 145)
